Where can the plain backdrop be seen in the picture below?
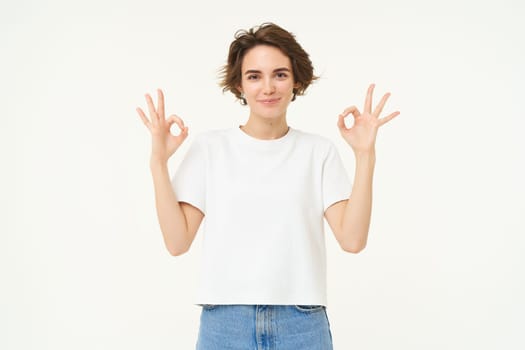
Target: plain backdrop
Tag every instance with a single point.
(83, 265)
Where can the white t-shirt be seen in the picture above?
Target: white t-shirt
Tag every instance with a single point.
(264, 202)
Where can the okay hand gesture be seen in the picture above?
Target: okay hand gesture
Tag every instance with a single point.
(164, 143)
(362, 135)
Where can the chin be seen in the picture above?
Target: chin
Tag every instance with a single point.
(269, 114)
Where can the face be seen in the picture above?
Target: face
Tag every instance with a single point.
(267, 81)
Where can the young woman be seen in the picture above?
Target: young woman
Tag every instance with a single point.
(264, 188)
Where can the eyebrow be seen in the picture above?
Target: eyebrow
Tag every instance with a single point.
(282, 69)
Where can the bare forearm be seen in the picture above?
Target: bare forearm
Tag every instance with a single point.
(353, 231)
(169, 212)
(356, 219)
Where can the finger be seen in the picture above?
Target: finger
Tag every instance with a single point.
(152, 111)
(175, 119)
(180, 123)
(388, 118)
(381, 104)
(353, 109)
(341, 122)
(368, 100)
(160, 103)
(143, 117)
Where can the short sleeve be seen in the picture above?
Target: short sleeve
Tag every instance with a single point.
(189, 180)
(336, 184)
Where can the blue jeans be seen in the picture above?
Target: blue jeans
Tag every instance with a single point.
(264, 327)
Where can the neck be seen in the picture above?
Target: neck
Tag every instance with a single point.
(265, 130)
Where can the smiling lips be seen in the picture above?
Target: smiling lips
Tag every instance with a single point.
(269, 101)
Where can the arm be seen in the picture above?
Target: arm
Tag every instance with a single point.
(350, 219)
(179, 222)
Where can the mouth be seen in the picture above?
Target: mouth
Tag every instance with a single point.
(269, 101)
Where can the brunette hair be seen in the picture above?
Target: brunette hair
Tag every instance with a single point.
(272, 35)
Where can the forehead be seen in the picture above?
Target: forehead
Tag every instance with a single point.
(265, 58)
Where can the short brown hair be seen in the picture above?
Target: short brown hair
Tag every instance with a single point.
(272, 35)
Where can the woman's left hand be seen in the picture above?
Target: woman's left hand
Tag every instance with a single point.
(362, 135)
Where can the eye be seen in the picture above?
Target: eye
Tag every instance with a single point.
(282, 75)
(252, 77)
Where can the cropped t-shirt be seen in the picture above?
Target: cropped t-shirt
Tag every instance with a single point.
(264, 202)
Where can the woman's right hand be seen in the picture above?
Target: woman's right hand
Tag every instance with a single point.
(164, 143)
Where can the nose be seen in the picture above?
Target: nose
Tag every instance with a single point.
(269, 87)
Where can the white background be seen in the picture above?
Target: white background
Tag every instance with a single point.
(83, 265)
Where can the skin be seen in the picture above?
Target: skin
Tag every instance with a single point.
(350, 219)
(267, 84)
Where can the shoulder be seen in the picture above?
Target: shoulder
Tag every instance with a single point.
(212, 137)
(316, 141)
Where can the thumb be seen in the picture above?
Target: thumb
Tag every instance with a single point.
(175, 119)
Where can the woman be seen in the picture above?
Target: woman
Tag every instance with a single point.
(264, 189)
